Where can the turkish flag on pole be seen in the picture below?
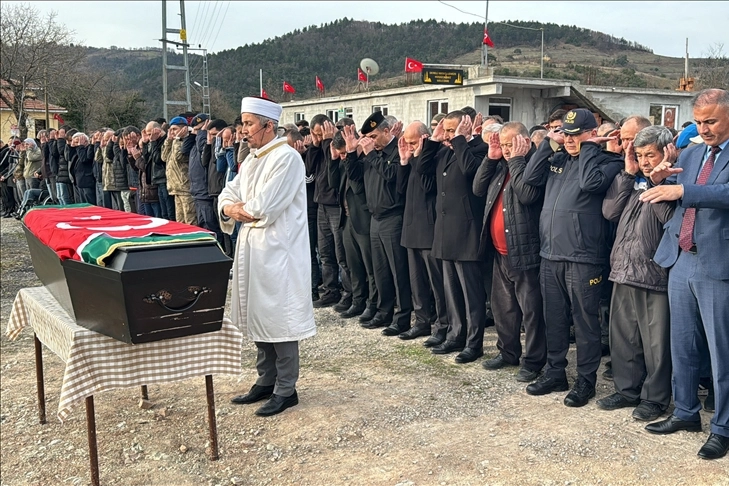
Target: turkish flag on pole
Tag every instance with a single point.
(58, 118)
(413, 66)
(288, 88)
(264, 94)
(361, 76)
(487, 39)
(319, 84)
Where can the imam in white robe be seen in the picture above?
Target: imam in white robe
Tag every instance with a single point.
(271, 297)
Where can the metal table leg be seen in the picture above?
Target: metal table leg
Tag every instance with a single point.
(91, 430)
(211, 418)
(39, 380)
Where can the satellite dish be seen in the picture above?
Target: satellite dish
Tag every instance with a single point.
(369, 66)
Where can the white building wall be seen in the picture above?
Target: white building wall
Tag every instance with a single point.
(625, 102)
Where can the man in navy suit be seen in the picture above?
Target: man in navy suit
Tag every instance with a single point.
(695, 245)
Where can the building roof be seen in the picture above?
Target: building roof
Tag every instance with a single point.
(31, 104)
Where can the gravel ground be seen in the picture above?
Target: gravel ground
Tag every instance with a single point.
(373, 410)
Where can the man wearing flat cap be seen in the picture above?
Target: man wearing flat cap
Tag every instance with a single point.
(576, 174)
(385, 182)
(272, 272)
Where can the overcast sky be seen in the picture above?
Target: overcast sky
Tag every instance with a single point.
(662, 26)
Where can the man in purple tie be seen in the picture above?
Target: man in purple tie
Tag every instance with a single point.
(695, 245)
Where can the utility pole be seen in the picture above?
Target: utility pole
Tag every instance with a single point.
(45, 98)
(174, 67)
(206, 80)
(485, 48)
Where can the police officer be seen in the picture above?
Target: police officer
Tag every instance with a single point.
(378, 166)
(574, 248)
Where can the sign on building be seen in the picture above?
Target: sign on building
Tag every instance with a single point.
(443, 76)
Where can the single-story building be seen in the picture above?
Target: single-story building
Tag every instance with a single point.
(529, 100)
(36, 113)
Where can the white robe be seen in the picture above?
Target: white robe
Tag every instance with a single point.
(272, 268)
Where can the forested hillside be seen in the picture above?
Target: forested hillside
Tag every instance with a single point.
(332, 51)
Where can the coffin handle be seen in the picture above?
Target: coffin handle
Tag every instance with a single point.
(159, 299)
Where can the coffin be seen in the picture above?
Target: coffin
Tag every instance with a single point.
(141, 291)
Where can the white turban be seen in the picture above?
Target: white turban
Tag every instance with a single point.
(259, 106)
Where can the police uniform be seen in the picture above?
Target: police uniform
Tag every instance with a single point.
(382, 176)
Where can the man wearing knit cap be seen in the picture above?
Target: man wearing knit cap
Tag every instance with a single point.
(271, 273)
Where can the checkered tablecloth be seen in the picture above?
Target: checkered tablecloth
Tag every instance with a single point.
(96, 363)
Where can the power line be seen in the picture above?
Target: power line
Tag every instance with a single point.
(484, 18)
(204, 18)
(194, 20)
(222, 21)
(213, 22)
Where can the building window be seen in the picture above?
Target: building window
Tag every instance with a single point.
(665, 115)
(298, 117)
(380, 108)
(501, 107)
(333, 115)
(40, 124)
(437, 106)
(346, 112)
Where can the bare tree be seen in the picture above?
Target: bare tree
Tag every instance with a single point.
(31, 48)
(713, 70)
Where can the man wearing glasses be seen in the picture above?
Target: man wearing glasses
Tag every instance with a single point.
(574, 249)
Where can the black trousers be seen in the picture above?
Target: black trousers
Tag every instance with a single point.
(8, 196)
(516, 300)
(331, 250)
(575, 286)
(207, 218)
(390, 265)
(359, 261)
(315, 266)
(426, 281)
(465, 296)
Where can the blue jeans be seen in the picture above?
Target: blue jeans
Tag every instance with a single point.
(65, 194)
(166, 202)
(152, 209)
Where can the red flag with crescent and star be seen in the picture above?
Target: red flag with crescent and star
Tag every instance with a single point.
(264, 94)
(486, 39)
(361, 76)
(92, 233)
(288, 88)
(319, 84)
(413, 66)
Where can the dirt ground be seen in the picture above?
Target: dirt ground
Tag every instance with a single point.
(373, 411)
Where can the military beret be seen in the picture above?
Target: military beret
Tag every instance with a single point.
(372, 122)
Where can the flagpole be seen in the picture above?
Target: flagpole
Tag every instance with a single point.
(260, 82)
(485, 52)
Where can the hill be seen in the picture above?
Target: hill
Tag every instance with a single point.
(332, 51)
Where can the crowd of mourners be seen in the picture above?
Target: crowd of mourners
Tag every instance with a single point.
(612, 236)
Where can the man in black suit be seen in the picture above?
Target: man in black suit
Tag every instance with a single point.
(378, 167)
(355, 223)
(453, 155)
(426, 271)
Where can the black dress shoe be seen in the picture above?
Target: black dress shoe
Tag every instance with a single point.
(277, 404)
(716, 446)
(673, 424)
(469, 355)
(353, 311)
(496, 363)
(648, 411)
(327, 300)
(394, 330)
(345, 302)
(616, 401)
(580, 394)
(447, 347)
(377, 321)
(547, 384)
(434, 340)
(368, 314)
(414, 332)
(525, 375)
(256, 394)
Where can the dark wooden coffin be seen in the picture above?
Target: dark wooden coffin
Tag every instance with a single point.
(144, 293)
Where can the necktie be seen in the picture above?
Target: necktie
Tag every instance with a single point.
(686, 237)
